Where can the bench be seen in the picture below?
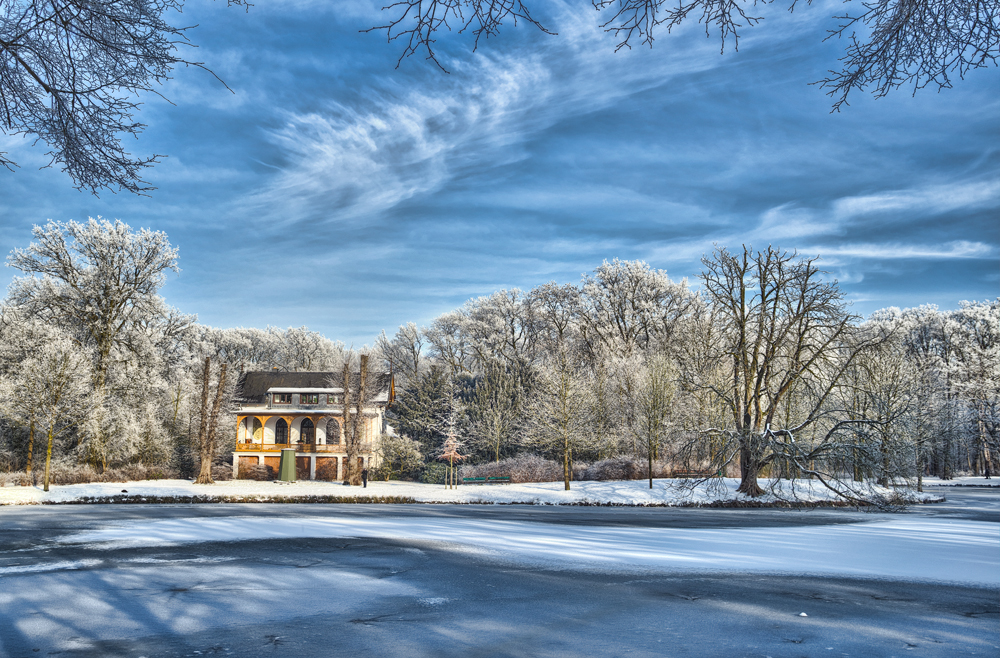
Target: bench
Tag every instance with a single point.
(495, 479)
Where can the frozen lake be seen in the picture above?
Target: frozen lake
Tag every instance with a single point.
(428, 580)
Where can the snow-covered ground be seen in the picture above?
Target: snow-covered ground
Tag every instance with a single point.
(626, 492)
(965, 552)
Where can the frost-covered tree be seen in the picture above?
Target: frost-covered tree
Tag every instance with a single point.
(501, 327)
(296, 349)
(100, 278)
(404, 353)
(556, 310)
(654, 403)
(449, 343)
(975, 373)
(52, 388)
(22, 340)
(556, 418)
(99, 281)
(627, 307)
(303, 350)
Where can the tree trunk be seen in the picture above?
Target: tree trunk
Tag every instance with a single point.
(208, 449)
(649, 464)
(566, 459)
(203, 427)
(31, 447)
(749, 468)
(920, 469)
(359, 417)
(354, 423)
(352, 450)
(884, 479)
(48, 456)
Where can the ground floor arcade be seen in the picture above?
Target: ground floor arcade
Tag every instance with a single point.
(309, 463)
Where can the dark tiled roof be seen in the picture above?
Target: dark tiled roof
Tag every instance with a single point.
(253, 386)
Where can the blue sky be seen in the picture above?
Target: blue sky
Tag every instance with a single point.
(335, 191)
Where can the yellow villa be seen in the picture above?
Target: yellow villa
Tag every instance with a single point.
(304, 411)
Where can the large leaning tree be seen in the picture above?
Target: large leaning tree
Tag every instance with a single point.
(784, 341)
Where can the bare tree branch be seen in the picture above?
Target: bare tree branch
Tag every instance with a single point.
(72, 73)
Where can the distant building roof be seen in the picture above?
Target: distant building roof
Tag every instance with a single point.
(253, 386)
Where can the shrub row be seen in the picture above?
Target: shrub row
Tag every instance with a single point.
(533, 468)
(84, 473)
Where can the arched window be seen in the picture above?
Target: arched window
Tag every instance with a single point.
(307, 431)
(258, 431)
(281, 431)
(332, 431)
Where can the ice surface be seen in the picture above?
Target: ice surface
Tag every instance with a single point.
(910, 549)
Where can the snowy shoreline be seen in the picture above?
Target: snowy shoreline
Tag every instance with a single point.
(622, 493)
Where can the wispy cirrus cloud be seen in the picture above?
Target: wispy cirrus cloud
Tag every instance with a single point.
(927, 200)
(896, 250)
(792, 220)
(348, 162)
(352, 160)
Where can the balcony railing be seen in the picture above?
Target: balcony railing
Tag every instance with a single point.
(299, 447)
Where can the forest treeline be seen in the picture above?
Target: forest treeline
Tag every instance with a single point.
(759, 371)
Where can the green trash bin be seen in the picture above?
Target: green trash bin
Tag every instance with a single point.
(286, 472)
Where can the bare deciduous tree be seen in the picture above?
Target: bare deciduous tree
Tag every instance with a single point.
(557, 417)
(71, 72)
(782, 326)
(404, 352)
(209, 420)
(653, 408)
(354, 419)
(891, 43)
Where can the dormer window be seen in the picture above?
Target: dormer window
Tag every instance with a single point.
(309, 398)
(334, 399)
(282, 398)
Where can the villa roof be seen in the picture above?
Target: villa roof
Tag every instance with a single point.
(253, 386)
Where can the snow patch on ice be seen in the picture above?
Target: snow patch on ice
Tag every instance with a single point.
(912, 549)
(50, 566)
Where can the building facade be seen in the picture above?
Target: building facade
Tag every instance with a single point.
(304, 411)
